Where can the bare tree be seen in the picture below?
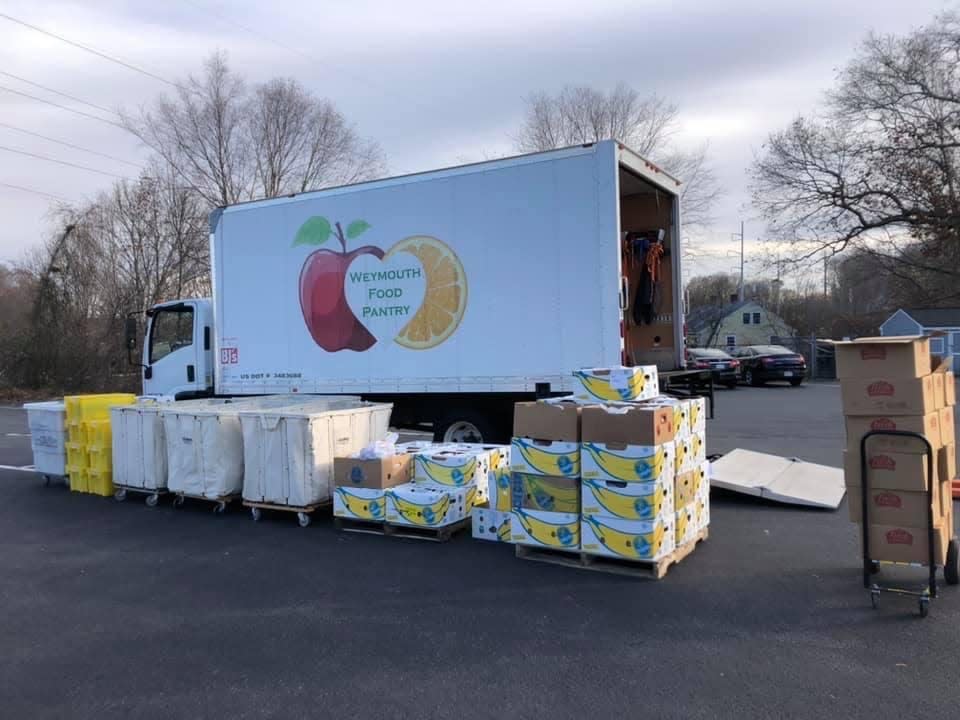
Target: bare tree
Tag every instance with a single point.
(230, 144)
(646, 125)
(878, 169)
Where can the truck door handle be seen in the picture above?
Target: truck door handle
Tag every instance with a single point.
(190, 373)
(147, 372)
(624, 293)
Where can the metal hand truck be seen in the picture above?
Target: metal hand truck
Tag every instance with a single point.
(951, 570)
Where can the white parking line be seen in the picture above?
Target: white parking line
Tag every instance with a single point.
(18, 434)
(24, 468)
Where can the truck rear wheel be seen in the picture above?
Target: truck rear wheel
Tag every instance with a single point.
(467, 426)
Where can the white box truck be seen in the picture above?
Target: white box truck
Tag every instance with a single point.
(451, 294)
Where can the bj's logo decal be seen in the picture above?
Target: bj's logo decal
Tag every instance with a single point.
(883, 424)
(880, 388)
(882, 462)
(873, 352)
(889, 500)
(899, 537)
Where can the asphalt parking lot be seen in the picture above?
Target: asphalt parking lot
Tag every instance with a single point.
(118, 610)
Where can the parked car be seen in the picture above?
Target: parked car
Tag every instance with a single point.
(725, 368)
(762, 363)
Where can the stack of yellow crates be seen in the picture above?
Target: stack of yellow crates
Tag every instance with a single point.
(89, 441)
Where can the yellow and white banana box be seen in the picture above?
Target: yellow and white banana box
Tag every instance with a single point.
(698, 449)
(428, 505)
(685, 525)
(360, 503)
(500, 491)
(631, 539)
(545, 457)
(681, 413)
(455, 468)
(698, 414)
(702, 480)
(545, 492)
(701, 509)
(545, 529)
(492, 525)
(613, 384)
(689, 486)
(626, 500)
(629, 463)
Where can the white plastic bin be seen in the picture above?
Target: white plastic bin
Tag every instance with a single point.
(139, 445)
(48, 434)
(288, 451)
(205, 443)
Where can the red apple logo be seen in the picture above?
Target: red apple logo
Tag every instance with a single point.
(329, 319)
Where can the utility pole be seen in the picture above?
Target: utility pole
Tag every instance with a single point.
(740, 290)
(824, 273)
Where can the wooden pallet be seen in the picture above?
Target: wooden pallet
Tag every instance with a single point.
(412, 532)
(655, 569)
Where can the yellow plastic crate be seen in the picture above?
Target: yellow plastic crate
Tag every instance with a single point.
(77, 433)
(98, 433)
(84, 408)
(77, 456)
(100, 458)
(100, 483)
(78, 480)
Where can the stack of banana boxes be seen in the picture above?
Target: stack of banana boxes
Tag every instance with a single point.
(424, 485)
(614, 469)
(894, 383)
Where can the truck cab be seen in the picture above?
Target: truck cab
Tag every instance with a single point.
(177, 356)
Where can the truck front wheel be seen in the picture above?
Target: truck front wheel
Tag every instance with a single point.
(466, 426)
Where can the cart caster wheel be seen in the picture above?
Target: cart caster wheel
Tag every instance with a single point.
(255, 514)
(178, 501)
(219, 508)
(46, 480)
(152, 500)
(120, 495)
(924, 607)
(951, 571)
(875, 598)
(303, 519)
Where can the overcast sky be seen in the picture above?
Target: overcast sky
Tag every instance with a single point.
(435, 82)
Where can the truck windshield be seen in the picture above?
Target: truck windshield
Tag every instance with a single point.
(171, 330)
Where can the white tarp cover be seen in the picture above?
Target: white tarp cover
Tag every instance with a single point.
(786, 480)
(288, 452)
(139, 446)
(205, 443)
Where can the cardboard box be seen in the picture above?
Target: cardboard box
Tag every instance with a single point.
(703, 480)
(894, 507)
(897, 543)
(685, 526)
(946, 469)
(378, 473)
(545, 529)
(938, 393)
(629, 423)
(545, 457)
(698, 450)
(630, 463)
(681, 409)
(454, 466)
(545, 492)
(422, 505)
(702, 510)
(500, 491)
(883, 357)
(360, 503)
(887, 396)
(632, 539)
(547, 420)
(614, 384)
(949, 389)
(948, 430)
(626, 500)
(493, 525)
(690, 485)
(927, 425)
(888, 470)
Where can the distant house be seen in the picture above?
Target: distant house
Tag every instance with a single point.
(925, 321)
(740, 323)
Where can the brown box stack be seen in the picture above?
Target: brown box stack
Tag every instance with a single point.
(893, 383)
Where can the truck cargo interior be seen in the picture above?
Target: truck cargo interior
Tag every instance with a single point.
(649, 271)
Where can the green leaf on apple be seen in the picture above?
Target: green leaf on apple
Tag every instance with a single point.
(315, 231)
(357, 228)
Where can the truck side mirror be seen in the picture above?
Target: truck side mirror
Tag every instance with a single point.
(130, 333)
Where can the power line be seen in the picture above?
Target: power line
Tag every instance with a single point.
(57, 92)
(35, 192)
(62, 107)
(62, 162)
(93, 51)
(70, 145)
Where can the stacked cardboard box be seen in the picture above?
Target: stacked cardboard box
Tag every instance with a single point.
(892, 383)
(360, 491)
(545, 475)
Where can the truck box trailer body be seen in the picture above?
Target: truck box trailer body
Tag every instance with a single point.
(449, 293)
